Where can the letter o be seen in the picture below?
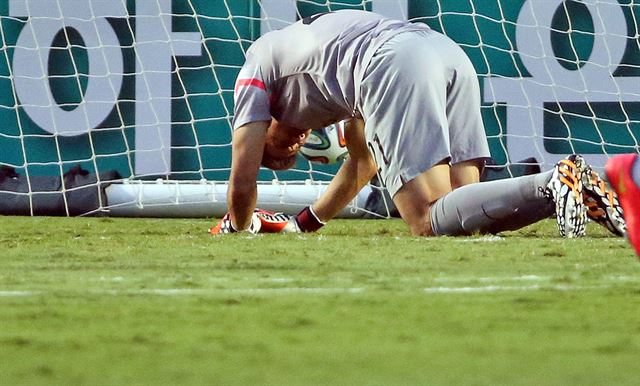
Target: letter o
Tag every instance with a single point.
(533, 38)
(31, 78)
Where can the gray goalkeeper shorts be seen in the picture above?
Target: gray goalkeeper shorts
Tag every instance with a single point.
(420, 101)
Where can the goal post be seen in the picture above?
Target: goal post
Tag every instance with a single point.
(145, 88)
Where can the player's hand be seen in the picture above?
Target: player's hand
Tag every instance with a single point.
(262, 221)
(305, 221)
(271, 222)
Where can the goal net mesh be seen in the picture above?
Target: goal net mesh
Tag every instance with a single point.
(145, 88)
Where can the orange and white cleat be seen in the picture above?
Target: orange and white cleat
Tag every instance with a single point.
(603, 206)
(619, 170)
(566, 190)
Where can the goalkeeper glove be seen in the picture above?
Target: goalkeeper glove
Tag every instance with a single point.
(262, 221)
(271, 222)
(305, 221)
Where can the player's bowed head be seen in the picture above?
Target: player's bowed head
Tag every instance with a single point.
(282, 143)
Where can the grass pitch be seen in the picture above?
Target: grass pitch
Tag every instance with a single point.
(121, 301)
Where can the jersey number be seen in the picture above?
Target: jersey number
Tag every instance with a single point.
(310, 19)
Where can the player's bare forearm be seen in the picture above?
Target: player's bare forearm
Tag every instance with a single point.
(248, 145)
(356, 171)
(350, 179)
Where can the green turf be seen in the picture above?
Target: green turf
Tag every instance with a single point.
(118, 301)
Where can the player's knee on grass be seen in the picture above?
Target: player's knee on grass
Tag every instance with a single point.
(415, 215)
(414, 198)
(420, 225)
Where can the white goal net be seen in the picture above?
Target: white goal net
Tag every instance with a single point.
(140, 92)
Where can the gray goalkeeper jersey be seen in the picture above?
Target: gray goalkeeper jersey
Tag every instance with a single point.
(308, 74)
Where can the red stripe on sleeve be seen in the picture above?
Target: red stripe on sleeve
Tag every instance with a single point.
(250, 82)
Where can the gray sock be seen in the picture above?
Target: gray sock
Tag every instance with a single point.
(493, 206)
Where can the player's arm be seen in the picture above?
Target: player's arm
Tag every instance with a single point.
(356, 171)
(247, 147)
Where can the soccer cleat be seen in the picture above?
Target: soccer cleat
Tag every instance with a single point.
(602, 203)
(619, 173)
(565, 189)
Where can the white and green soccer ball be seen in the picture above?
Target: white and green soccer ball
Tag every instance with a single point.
(326, 146)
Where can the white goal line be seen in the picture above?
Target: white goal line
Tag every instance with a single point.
(279, 291)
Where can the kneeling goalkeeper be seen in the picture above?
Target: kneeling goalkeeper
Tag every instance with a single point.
(413, 104)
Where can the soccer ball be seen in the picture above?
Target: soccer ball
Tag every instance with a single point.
(326, 146)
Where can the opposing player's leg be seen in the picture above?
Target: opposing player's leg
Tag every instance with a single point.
(623, 172)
